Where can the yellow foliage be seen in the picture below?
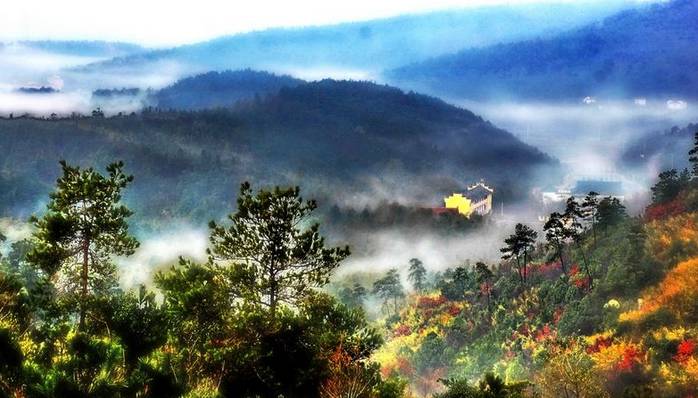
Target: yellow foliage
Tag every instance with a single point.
(677, 292)
(673, 240)
(669, 334)
(609, 358)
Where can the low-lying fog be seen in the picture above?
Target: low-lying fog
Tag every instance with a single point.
(588, 137)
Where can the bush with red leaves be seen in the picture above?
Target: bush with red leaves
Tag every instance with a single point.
(661, 211)
(685, 351)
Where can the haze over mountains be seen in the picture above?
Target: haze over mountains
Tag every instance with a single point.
(646, 52)
(357, 50)
(351, 143)
(542, 52)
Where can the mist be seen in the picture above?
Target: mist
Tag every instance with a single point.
(589, 137)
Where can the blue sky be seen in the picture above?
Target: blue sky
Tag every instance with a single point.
(165, 23)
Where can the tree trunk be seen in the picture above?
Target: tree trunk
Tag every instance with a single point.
(83, 282)
(273, 291)
(562, 260)
(586, 265)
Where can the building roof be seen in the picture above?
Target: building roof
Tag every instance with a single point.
(605, 188)
(478, 192)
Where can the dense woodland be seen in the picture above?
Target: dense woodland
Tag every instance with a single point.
(596, 304)
(335, 136)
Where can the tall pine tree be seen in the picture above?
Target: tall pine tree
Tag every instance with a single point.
(83, 228)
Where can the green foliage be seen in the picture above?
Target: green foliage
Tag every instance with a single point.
(693, 156)
(274, 260)
(389, 288)
(669, 185)
(610, 212)
(85, 224)
(491, 386)
(353, 297)
(519, 246)
(417, 275)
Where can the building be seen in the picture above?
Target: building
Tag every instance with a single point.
(603, 187)
(476, 199)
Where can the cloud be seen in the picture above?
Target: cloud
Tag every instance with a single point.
(160, 251)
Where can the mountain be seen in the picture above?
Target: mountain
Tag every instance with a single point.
(220, 89)
(649, 52)
(363, 48)
(660, 149)
(81, 48)
(346, 142)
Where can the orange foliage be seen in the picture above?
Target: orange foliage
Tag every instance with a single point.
(599, 344)
(677, 292)
(348, 378)
(673, 240)
(426, 302)
(402, 330)
(664, 210)
(618, 357)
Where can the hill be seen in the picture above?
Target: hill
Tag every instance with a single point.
(347, 142)
(660, 149)
(648, 52)
(219, 89)
(363, 48)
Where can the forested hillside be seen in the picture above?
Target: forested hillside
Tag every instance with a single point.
(663, 149)
(333, 135)
(596, 304)
(219, 89)
(647, 52)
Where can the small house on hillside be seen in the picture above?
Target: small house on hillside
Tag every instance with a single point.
(476, 199)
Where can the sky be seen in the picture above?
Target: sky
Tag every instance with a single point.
(158, 23)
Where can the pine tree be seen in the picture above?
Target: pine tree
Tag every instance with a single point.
(417, 275)
(389, 288)
(273, 260)
(555, 236)
(518, 246)
(693, 156)
(573, 230)
(84, 226)
(590, 209)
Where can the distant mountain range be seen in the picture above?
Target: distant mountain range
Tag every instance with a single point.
(343, 141)
(650, 52)
(361, 49)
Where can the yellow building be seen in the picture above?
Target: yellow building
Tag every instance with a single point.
(477, 199)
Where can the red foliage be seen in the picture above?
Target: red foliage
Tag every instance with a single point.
(402, 330)
(426, 302)
(557, 315)
(485, 288)
(631, 356)
(685, 351)
(543, 333)
(577, 280)
(664, 210)
(453, 310)
(524, 330)
(404, 367)
(601, 342)
(548, 269)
